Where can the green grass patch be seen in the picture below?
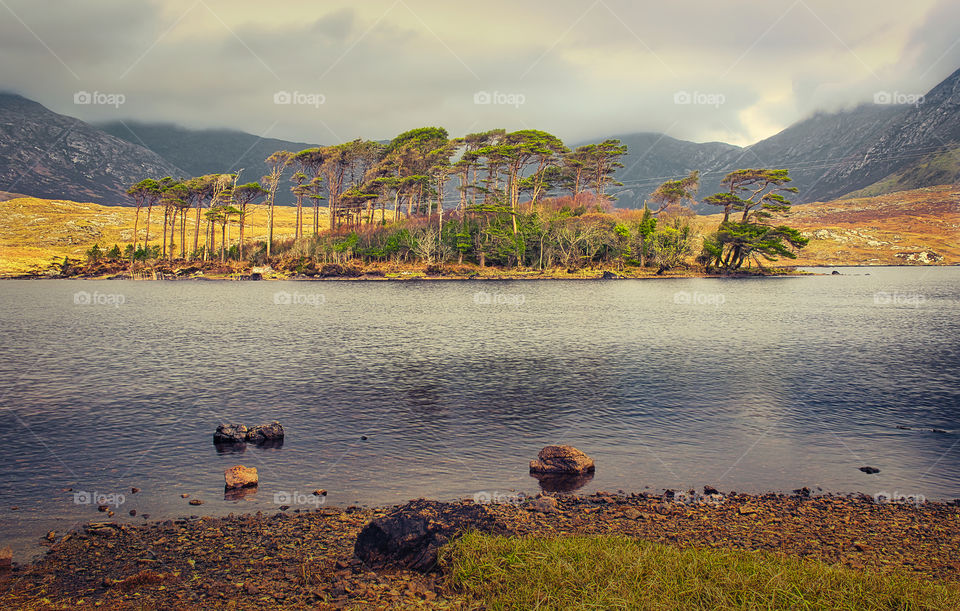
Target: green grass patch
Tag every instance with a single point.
(610, 572)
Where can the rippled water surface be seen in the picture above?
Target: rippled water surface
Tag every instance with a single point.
(744, 384)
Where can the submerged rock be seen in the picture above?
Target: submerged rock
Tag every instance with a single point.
(6, 558)
(561, 459)
(265, 433)
(562, 482)
(240, 477)
(231, 437)
(870, 470)
(230, 433)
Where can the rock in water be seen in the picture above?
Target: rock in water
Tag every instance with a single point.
(610, 276)
(870, 470)
(240, 477)
(230, 433)
(561, 459)
(411, 535)
(6, 558)
(265, 433)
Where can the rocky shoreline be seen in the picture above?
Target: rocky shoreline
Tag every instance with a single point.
(382, 558)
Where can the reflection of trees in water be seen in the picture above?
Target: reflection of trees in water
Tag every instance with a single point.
(554, 482)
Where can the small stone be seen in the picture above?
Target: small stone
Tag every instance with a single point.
(870, 470)
(133, 512)
(196, 502)
(710, 490)
(265, 433)
(6, 558)
(319, 492)
(284, 507)
(102, 508)
(51, 535)
(561, 459)
(184, 495)
(134, 490)
(631, 513)
(240, 477)
(543, 504)
(363, 437)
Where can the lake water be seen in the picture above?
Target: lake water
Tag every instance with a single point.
(744, 384)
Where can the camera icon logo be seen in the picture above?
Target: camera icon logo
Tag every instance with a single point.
(82, 298)
(682, 298)
(82, 97)
(282, 97)
(82, 497)
(281, 498)
(282, 298)
(482, 298)
(681, 97)
(882, 97)
(882, 298)
(481, 498)
(482, 97)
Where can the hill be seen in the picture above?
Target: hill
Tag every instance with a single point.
(208, 151)
(910, 227)
(45, 154)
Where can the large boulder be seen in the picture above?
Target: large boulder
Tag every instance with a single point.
(265, 433)
(561, 459)
(240, 477)
(411, 536)
(230, 433)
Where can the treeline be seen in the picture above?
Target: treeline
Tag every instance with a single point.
(519, 199)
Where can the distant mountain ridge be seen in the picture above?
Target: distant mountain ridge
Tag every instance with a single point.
(45, 154)
(828, 154)
(868, 150)
(208, 151)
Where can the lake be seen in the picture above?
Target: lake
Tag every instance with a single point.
(390, 391)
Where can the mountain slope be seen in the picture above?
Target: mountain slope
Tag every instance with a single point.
(46, 154)
(892, 147)
(208, 151)
(928, 128)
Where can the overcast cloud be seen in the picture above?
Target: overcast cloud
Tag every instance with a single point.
(701, 70)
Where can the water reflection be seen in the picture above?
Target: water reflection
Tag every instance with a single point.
(559, 482)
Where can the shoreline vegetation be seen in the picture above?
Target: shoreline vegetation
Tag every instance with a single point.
(520, 202)
(716, 550)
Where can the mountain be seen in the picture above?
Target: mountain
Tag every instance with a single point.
(871, 150)
(927, 130)
(208, 151)
(46, 154)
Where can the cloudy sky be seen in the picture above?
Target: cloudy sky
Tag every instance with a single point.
(331, 70)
